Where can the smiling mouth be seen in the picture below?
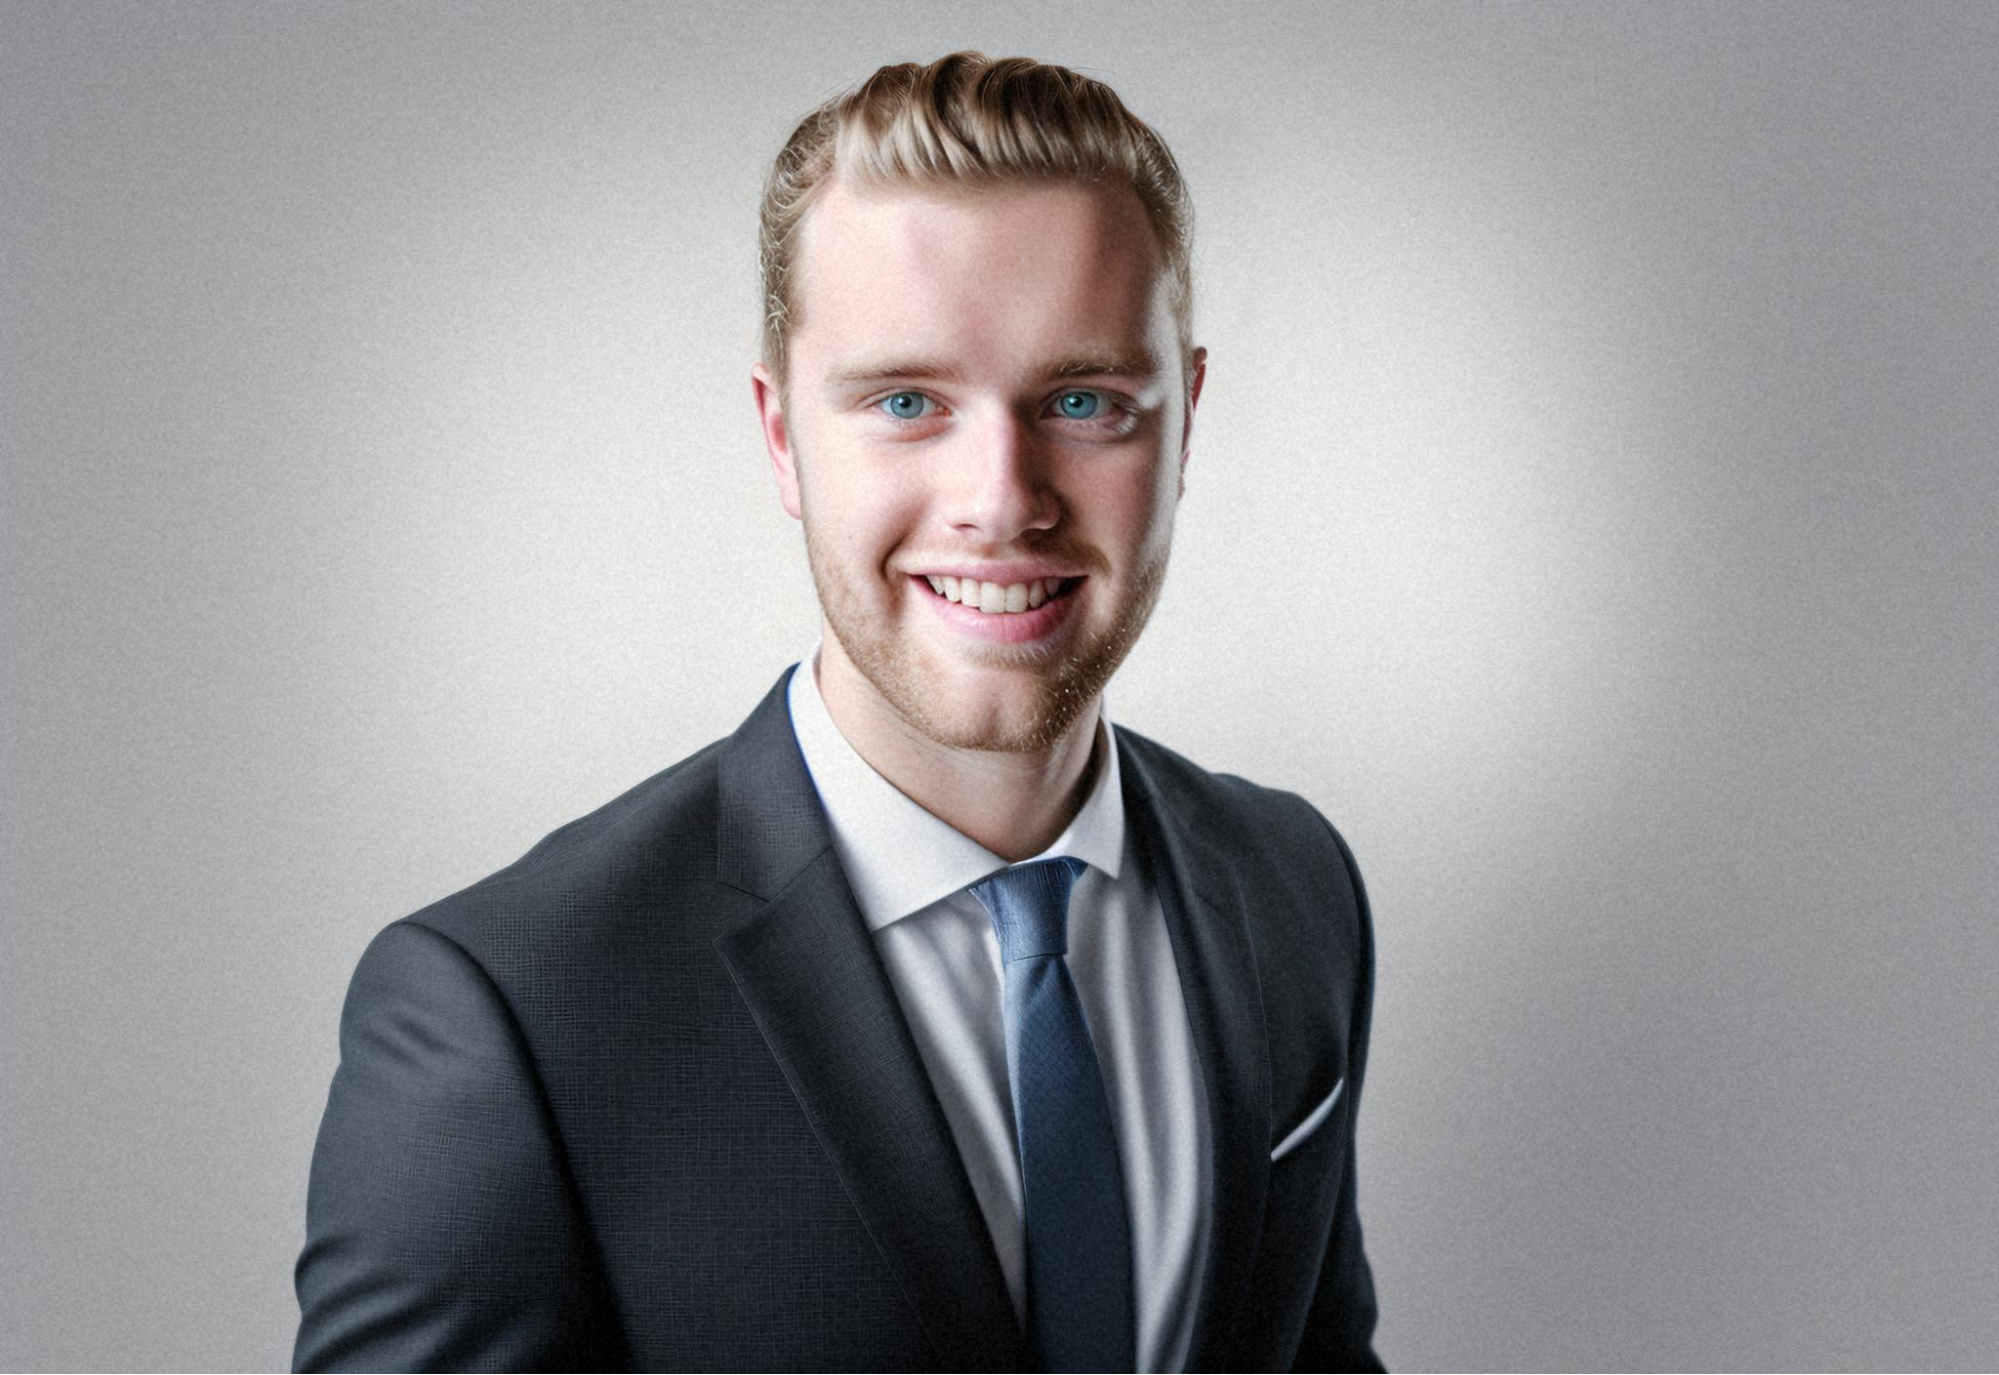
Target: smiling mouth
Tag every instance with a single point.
(1000, 599)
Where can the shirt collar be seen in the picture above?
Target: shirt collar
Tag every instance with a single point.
(900, 859)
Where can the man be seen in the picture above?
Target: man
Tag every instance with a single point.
(926, 1022)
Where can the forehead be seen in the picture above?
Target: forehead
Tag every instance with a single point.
(994, 279)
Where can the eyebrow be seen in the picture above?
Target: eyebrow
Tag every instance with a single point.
(1141, 365)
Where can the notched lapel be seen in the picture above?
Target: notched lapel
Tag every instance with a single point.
(807, 968)
(1206, 924)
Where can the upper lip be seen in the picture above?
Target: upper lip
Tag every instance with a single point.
(1005, 574)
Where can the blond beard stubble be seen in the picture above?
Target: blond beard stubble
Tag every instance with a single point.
(1061, 698)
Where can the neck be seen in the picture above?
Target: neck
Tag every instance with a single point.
(1014, 804)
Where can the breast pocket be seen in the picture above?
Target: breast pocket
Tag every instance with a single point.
(1313, 1123)
(1306, 1163)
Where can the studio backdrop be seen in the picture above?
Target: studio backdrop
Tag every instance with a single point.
(1591, 511)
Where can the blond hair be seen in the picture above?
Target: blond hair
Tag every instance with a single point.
(977, 121)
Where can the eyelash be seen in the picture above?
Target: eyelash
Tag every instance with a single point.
(1118, 414)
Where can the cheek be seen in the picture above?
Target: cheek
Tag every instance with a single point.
(1134, 509)
(858, 507)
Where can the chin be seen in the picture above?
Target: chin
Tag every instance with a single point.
(1022, 724)
(1016, 704)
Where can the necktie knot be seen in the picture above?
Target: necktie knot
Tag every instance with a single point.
(1029, 904)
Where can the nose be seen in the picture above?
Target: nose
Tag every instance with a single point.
(1002, 490)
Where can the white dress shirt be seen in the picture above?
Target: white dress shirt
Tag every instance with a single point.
(909, 871)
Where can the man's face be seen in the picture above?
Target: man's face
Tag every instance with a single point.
(985, 386)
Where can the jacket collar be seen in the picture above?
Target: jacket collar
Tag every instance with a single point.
(807, 968)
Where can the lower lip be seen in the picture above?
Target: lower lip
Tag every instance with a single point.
(1005, 627)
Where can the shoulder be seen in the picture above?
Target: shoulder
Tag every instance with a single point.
(1256, 826)
(643, 862)
(675, 805)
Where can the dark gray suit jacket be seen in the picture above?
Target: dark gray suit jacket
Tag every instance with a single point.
(646, 1098)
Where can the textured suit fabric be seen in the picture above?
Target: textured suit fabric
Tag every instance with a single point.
(645, 1099)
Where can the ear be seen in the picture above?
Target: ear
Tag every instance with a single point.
(777, 437)
(1198, 376)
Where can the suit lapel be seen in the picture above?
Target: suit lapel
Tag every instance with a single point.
(1205, 923)
(807, 968)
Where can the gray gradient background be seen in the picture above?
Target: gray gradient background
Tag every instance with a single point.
(1591, 511)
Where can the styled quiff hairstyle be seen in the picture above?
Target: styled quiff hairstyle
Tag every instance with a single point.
(976, 121)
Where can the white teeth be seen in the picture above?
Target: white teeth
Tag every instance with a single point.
(994, 599)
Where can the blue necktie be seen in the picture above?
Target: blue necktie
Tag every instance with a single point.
(1079, 1299)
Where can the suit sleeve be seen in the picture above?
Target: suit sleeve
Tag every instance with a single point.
(1339, 1328)
(442, 1230)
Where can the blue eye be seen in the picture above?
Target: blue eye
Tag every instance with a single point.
(1080, 404)
(904, 405)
